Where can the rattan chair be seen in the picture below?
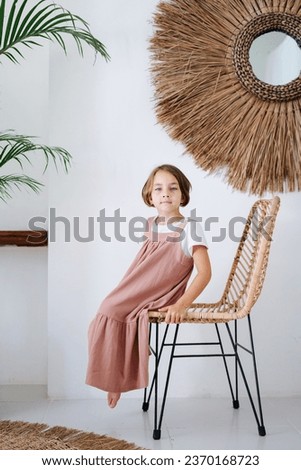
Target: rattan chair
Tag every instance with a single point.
(242, 290)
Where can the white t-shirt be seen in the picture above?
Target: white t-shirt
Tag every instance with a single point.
(193, 234)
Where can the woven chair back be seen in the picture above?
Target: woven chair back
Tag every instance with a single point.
(249, 266)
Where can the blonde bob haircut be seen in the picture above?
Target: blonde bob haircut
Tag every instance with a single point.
(184, 183)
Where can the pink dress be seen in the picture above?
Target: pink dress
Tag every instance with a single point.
(118, 335)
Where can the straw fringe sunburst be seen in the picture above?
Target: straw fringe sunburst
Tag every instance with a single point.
(208, 98)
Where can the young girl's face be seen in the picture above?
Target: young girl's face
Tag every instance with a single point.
(166, 195)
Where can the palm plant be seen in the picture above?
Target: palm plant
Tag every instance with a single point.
(24, 26)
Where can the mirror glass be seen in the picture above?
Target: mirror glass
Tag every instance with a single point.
(275, 58)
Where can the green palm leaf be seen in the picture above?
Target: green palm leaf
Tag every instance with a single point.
(18, 148)
(9, 182)
(25, 26)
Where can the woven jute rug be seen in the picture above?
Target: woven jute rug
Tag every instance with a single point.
(19, 435)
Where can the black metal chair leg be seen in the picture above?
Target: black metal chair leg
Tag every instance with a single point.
(146, 399)
(145, 404)
(236, 401)
(225, 364)
(261, 428)
(157, 430)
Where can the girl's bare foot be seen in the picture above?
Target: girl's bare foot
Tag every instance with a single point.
(113, 399)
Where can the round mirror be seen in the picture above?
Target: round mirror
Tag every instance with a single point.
(275, 58)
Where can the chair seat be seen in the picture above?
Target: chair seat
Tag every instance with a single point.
(219, 312)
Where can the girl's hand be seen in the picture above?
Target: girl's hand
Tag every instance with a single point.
(174, 313)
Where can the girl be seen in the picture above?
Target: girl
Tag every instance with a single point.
(156, 280)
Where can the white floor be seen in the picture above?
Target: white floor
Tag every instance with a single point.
(207, 423)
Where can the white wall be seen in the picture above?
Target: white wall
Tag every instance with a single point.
(23, 316)
(104, 115)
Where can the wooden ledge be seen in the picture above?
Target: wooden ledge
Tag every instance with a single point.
(31, 238)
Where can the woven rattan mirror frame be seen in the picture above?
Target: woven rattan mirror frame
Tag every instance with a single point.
(208, 98)
(261, 24)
